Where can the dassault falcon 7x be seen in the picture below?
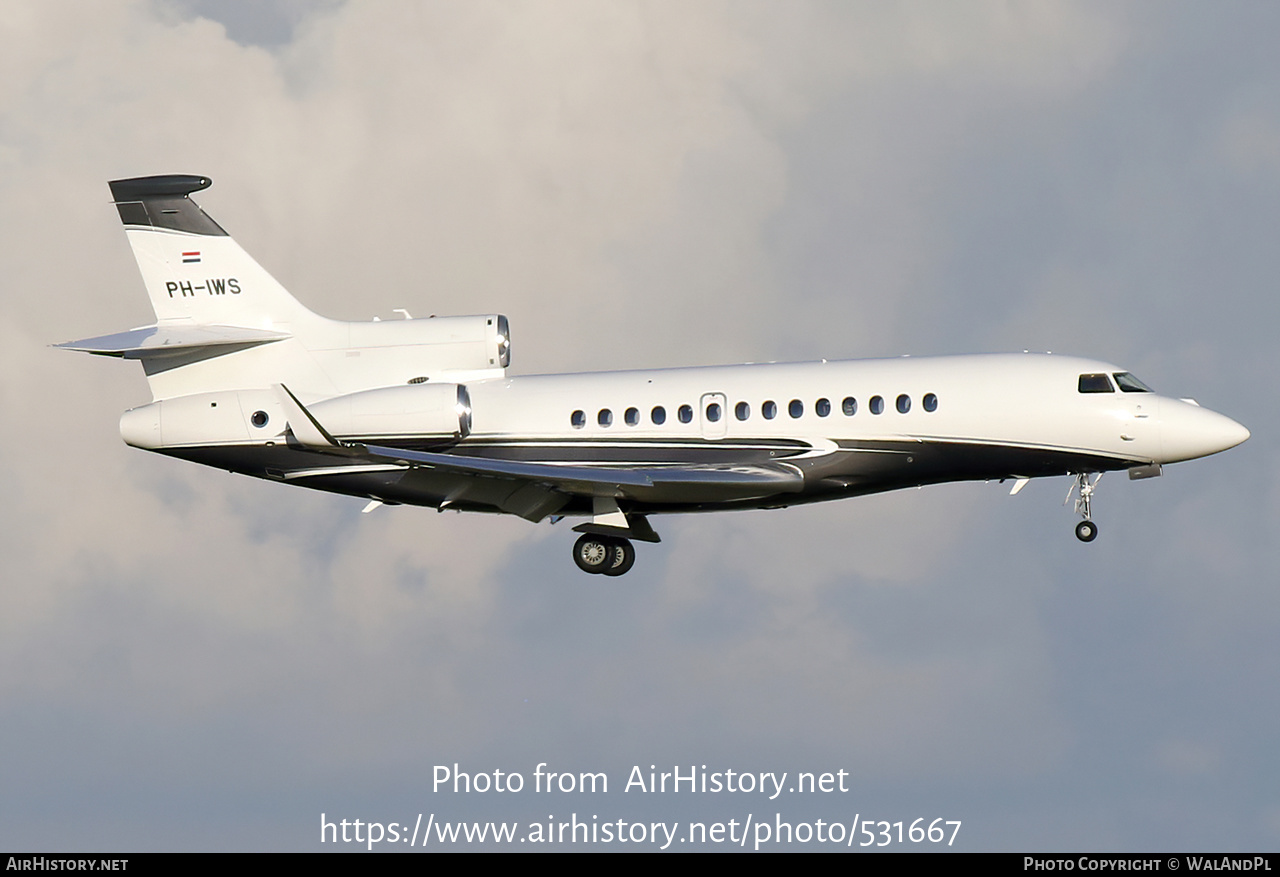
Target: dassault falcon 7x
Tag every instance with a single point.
(423, 412)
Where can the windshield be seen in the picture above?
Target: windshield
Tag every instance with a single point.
(1096, 383)
(1129, 384)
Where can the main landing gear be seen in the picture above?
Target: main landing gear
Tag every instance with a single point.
(605, 544)
(606, 555)
(1086, 530)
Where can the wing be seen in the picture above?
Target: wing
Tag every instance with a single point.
(650, 483)
(538, 489)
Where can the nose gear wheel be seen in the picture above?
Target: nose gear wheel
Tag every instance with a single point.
(1083, 486)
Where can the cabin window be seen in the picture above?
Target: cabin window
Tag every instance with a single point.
(877, 405)
(1129, 384)
(685, 414)
(713, 412)
(1097, 383)
(796, 408)
(578, 419)
(605, 417)
(904, 403)
(769, 410)
(849, 406)
(259, 418)
(823, 407)
(930, 402)
(658, 415)
(632, 416)
(742, 411)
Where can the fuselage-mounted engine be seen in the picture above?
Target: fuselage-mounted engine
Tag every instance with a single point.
(416, 416)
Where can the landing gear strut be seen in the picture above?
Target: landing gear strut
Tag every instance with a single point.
(1086, 530)
(604, 555)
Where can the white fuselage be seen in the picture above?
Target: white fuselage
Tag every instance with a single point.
(1016, 399)
(888, 423)
(423, 412)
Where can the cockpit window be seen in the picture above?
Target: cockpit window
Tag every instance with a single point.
(1129, 384)
(1099, 383)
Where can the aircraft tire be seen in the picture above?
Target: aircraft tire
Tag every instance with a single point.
(1086, 531)
(624, 557)
(593, 553)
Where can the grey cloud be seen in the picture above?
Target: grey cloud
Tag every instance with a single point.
(192, 660)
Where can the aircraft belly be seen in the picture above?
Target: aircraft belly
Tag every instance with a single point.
(872, 466)
(854, 467)
(867, 466)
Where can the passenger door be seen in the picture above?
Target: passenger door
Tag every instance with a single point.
(713, 416)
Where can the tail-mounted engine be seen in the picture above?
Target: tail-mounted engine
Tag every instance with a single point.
(407, 416)
(395, 350)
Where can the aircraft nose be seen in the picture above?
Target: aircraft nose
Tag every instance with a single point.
(1189, 431)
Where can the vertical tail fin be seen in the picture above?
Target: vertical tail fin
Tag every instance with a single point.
(193, 270)
(223, 322)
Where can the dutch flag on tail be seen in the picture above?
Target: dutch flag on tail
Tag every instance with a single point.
(191, 257)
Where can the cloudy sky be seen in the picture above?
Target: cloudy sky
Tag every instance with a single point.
(194, 660)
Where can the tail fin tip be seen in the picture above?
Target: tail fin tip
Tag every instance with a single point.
(161, 186)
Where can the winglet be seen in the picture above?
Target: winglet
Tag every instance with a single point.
(306, 429)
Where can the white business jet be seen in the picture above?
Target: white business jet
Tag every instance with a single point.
(422, 412)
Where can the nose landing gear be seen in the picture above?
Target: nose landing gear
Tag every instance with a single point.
(1086, 530)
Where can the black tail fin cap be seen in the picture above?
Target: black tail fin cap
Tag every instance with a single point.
(164, 186)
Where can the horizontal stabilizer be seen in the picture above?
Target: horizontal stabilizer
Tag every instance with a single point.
(154, 342)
